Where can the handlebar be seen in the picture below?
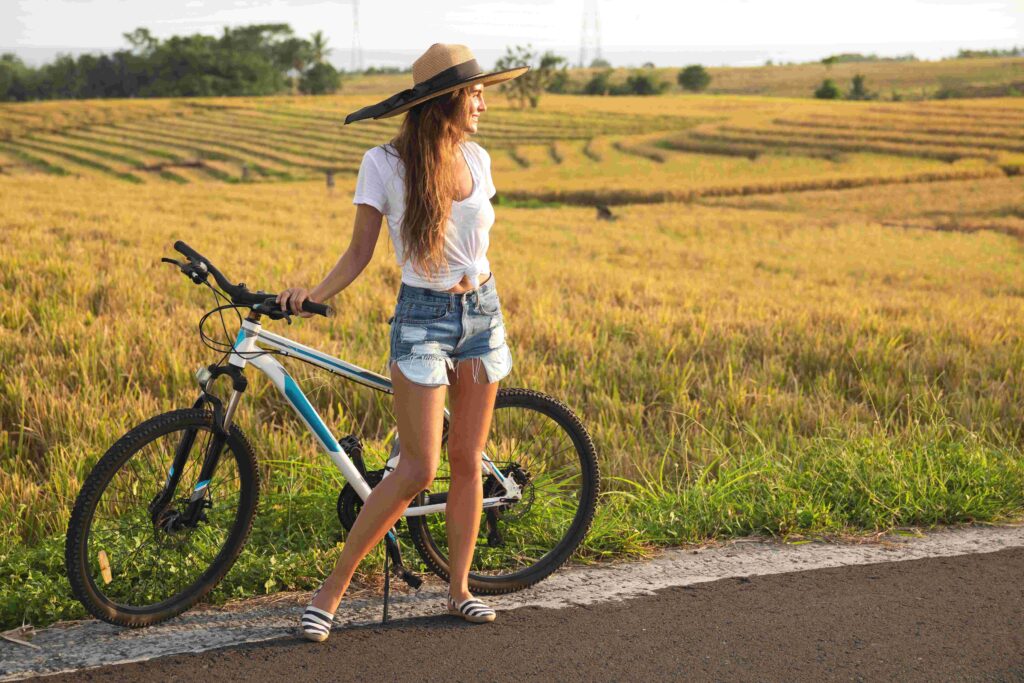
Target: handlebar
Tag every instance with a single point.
(199, 267)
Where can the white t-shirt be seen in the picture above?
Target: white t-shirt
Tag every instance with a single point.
(380, 184)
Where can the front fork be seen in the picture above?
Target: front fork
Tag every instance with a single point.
(222, 418)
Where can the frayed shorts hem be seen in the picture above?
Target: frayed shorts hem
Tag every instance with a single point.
(433, 332)
(431, 370)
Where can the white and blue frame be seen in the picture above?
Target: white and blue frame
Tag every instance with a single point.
(249, 349)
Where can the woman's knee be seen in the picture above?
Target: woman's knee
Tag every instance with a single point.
(465, 464)
(417, 474)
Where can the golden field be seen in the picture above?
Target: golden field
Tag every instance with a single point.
(820, 285)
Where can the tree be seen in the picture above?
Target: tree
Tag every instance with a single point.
(262, 39)
(857, 89)
(60, 77)
(15, 79)
(142, 41)
(318, 47)
(320, 79)
(527, 88)
(297, 53)
(828, 90)
(600, 63)
(694, 78)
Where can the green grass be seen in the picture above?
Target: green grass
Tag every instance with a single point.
(530, 203)
(830, 486)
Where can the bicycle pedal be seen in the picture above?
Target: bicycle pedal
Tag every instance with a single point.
(412, 580)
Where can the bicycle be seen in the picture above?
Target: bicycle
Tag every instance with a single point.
(165, 512)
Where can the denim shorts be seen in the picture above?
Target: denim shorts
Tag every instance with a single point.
(432, 330)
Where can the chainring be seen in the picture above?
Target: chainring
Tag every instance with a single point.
(349, 502)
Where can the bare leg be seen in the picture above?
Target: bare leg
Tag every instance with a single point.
(471, 412)
(419, 411)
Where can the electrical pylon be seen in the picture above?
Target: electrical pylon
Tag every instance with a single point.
(590, 36)
(357, 49)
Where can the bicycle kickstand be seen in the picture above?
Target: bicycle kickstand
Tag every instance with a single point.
(387, 583)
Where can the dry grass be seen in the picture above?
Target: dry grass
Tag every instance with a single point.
(804, 315)
(767, 338)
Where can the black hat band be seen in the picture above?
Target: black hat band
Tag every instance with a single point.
(451, 76)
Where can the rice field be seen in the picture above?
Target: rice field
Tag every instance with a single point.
(795, 317)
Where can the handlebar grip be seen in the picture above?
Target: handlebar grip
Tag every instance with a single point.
(188, 251)
(319, 309)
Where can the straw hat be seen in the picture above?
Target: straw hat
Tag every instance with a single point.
(441, 69)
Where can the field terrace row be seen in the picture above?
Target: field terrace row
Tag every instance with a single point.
(994, 134)
(197, 141)
(591, 150)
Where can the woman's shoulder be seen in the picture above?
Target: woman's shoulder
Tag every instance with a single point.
(384, 156)
(382, 150)
(477, 149)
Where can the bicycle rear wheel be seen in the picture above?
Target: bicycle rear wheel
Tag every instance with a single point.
(537, 440)
(132, 561)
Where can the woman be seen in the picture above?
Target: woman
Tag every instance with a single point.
(435, 188)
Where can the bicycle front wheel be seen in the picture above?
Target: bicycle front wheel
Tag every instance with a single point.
(540, 442)
(133, 556)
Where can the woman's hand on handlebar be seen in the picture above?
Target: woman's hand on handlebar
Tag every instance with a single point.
(291, 300)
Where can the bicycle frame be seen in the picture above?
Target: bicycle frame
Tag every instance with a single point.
(252, 340)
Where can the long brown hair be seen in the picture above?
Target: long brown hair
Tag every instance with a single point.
(428, 144)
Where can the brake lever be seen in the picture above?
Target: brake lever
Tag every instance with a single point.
(196, 270)
(268, 307)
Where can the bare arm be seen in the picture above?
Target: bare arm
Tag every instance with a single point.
(348, 267)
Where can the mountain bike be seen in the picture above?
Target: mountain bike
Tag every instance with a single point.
(163, 515)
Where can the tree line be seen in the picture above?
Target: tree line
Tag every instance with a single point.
(550, 73)
(269, 59)
(262, 59)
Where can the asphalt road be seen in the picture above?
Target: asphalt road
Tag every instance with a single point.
(949, 618)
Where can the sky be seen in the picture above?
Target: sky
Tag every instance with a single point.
(669, 33)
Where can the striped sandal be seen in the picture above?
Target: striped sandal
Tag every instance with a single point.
(316, 623)
(471, 610)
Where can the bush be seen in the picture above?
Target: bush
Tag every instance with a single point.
(694, 78)
(387, 70)
(640, 83)
(599, 84)
(559, 82)
(828, 90)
